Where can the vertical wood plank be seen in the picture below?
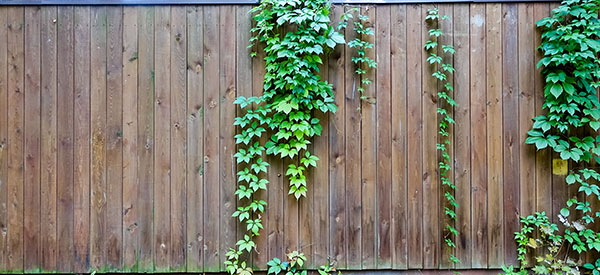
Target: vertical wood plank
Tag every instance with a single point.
(65, 161)
(264, 249)
(353, 156)
(447, 38)
(178, 137)
(49, 137)
(145, 136)
(211, 140)
(16, 101)
(526, 69)
(369, 155)
(543, 161)
(320, 185)
(3, 138)
(195, 138)
(162, 153)
(414, 136)
(494, 135)
(130, 142)
(31, 185)
(384, 137)
(462, 131)
(81, 131)
(478, 137)
(98, 136)
(114, 138)
(431, 236)
(227, 94)
(399, 229)
(510, 124)
(337, 214)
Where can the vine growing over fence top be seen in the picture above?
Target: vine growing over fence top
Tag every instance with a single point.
(292, 91)
(571, 68)
(446, 103)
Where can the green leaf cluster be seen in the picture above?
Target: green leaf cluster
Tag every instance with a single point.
(295, 35)
(446, 104)
(571, 69)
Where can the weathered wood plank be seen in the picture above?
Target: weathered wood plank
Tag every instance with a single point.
(130, 141)
(369, 154)
(3, 138)
(32, 133)
(162, 138)
(414, 136)
(494, 135)
(114, 138)
(478, 105)
(431, 182)
(462, 132)
(511, 141)
(212, 102)
(337, 181)
(384, 137)
(399, 229)
(145, 136)
(178, 138)
(81, 142)
(98, 137)
(227, 94)
(353, 156)
(65, 161)
(49, 138)
(447, 38)
(195, 138)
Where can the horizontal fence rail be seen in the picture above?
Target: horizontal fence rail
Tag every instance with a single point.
(117, 141)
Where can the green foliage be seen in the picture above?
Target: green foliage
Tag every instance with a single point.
(295, 34)
(571, 68)
(443, 72)
(595, 268)
(362, 61)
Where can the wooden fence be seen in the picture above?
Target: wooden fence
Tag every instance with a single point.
(116, 141)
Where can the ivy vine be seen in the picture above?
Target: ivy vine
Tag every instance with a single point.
(293, 90)
(443, 72)
(571, 68)
(362, 61)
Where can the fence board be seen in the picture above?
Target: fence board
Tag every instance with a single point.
(32, 130)
(64, 199)
(81, 144)
(3, 138)
(195, 145)
(116, 143)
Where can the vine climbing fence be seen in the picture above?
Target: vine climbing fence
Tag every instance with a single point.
(117, 141)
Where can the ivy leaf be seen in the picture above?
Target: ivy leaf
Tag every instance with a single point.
(565, 212)
(556, 90)
(337, 37)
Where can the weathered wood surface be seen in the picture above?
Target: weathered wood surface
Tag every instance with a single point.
(116, 141)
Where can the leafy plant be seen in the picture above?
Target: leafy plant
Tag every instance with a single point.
(293, 265)
(295, 34)
(571, 68)
(595, 267)
(442, 74)
(361, 60)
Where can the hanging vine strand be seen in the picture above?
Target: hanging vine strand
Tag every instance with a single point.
(446, 103)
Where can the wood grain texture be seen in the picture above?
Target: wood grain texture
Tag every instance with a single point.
(414, 136)
(65, 131)
(494, 135)
(116, 141)
(478, 98)
(32, 131)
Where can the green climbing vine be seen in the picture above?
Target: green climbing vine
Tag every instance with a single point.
(571, 68)
(445, 104)
(295, 34)
(362, 61)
